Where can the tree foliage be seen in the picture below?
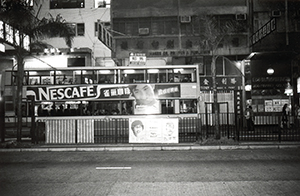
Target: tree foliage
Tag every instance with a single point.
(215, 32)
(20, 15)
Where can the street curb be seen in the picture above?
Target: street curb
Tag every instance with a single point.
(150, 148)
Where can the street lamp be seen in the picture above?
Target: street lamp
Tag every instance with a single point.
(270, 71)
(289, 91)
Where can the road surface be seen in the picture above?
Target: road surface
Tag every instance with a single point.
(198, 172)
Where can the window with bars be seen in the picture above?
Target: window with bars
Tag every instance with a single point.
(66, 4)
(156, 26)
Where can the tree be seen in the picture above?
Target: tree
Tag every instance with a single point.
(20, 15)
(215, 33)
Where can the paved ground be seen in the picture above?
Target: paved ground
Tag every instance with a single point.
(195, 172)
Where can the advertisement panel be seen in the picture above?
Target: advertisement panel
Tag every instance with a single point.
(146, 96)
(153, 130)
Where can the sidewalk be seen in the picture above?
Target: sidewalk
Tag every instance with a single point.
(146, 147)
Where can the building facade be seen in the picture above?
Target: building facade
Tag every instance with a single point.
(83, 16)
(174, 32)
(274, 60)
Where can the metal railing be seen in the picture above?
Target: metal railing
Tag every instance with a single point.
(266, 128)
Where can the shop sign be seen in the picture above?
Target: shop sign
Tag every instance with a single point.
(298, 85)
(265, 30)
(13, 36)
(153, 130)
(2, 48)
(137, 58)
(238, 103)
(223, 83)
(268, 85)
(159, 53)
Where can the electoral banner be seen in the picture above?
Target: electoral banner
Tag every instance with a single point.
(153, 130)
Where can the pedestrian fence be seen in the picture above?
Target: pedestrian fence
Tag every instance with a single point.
(191, 129)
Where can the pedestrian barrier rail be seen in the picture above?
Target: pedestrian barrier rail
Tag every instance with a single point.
(107, 130)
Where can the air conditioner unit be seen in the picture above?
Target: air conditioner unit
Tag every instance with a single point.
(143, 31)
(276, 13)
(241, 16)
(185, 19)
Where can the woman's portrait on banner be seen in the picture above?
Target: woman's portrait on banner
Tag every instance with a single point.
(145, 99)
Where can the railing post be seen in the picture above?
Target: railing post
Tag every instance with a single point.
(228, 124)
(237, 128)
(280, 130)
(116, 130)
(33, 128)
(2, 118)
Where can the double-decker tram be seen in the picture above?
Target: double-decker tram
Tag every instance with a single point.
(77, 97)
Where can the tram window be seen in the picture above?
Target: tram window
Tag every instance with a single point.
(77, 77)
(71, 108)
(87, 77)
(46, 77)
(34, 80)
(182, 75)
(157, 75)
(133, 76)
(64, 77)
(26, 78)
(9, 78)
(188, 106)
(105, 77)
(111, 108)
(106, 108)
(126, 108)
(170, 75)
(167, 106)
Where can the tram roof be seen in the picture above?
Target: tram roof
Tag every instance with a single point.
(113, 68)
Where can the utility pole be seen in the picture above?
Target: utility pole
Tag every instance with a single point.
(215, 97)
(19, 95)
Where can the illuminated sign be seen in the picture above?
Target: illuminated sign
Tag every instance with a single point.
(13, 36)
